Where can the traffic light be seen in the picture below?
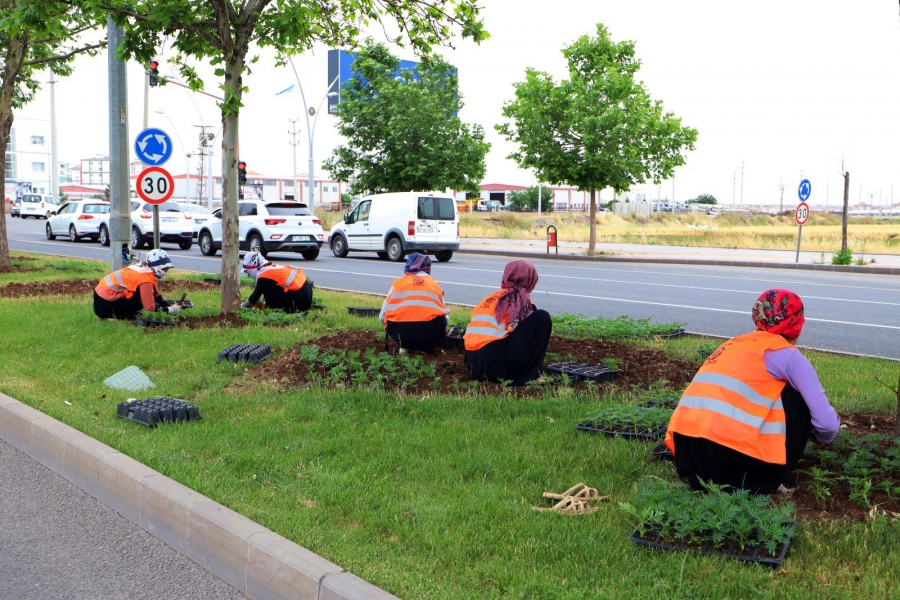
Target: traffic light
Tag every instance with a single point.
(154, 73)
(242, 173)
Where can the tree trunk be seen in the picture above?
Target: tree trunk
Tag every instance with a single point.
(15, 54)
(231, 273)
(846, 207)
(592, 242)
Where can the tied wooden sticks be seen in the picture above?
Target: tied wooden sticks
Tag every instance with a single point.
(574, 501)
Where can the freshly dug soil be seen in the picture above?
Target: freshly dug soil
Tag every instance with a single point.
(17, 269)
(82, 286)
(167, 285)
(638, 365)
(21, 258)
(229, 320)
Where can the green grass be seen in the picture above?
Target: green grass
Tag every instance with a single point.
(425, 496)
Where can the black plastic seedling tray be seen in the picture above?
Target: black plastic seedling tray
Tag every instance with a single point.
(159, 409)
(142, 322)
(454, 337)
(674, 334)
(729, 549)
(662, 452)
(213, 280)
(317, 307)
(187, 304)
(253, 353)
(580, 371)
(633, 435)
(658, 403)
(363, 311)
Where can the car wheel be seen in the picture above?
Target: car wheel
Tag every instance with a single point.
(73, 236)
(137, 239)
(310, 254)
(382, 255)
(339, 246)
(47, 215)
(186, 244)
(104, 236)
(50, 235)
(206, 244)
(255, 242)
(395, 249)
(443, 255)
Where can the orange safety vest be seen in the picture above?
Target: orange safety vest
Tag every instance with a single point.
(289, 278)
(415, 299)
(484, 327)
(128, 279)
(733, 400)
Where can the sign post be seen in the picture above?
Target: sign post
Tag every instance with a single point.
(802, 213)
(153, 147)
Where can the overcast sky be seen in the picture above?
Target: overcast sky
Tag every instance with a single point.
(784, 87)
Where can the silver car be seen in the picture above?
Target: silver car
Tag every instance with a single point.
(78, 220)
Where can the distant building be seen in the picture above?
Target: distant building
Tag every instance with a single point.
(28, 164)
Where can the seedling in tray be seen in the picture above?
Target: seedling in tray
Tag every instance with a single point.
(579, 371)
(454, 337)
(156, 410)
(363, 311)
(627, 421)
(155, 319)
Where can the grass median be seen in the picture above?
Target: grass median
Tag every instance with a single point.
(427, 496)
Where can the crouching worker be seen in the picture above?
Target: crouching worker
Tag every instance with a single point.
(124, 293)
(508, 336)
(745, 418)
(413, 313)
(285, 288)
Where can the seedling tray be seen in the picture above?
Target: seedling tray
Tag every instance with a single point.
(729, 549)
(657, 403)
(662, 452)
(363, 311)
(672, 335)
(156, 410)
(213, 280)
(454, 338)
(253, 353)
(187, 304)
(317, 307)
(580, 371)
(142, 322)
(633, 435)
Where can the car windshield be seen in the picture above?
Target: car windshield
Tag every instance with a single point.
(31, 198)
(96, 209)
(288, 210)
(164, 207)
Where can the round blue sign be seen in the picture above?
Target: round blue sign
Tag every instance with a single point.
(805, 190)
(153, 146)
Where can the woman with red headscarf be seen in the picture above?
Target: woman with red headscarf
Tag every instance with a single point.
(507, 338)
(745, 418)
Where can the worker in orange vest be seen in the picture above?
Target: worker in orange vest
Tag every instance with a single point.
(124, 293)
(413, 312)
(285, 288)
(507, 337)
(745, 419)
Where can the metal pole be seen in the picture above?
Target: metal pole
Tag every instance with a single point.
(119, 180)
(799, 234)
(539, 198)
(187, 192)
(54, 153)
(742, 183)
(293, 133)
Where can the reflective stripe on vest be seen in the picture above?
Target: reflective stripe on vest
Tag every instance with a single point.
(416, 299)
(128, 279)
(286, 277)
(733, 401)
(118, 285)
(484, 328)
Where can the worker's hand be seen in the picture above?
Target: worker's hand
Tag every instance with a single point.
(175, 308)
(246, 304)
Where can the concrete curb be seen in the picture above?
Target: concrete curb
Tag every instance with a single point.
(255, 560)
(689, 261)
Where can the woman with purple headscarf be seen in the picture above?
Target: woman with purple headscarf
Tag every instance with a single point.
(507, 337)
(413, 313)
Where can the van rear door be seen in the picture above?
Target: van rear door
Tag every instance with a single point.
(447, 229)
(426, 223)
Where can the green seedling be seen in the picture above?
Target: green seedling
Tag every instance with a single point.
(579, 326)
(821, 478)
(611, 363)
(859, 490)
(628, 419)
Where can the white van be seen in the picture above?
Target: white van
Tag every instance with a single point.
(393, 225)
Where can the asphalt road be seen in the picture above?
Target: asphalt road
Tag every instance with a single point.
(845, 312)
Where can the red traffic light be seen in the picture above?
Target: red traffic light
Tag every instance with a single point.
(154, 64)
(242, 165)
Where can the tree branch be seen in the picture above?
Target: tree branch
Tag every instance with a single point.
(49, 59)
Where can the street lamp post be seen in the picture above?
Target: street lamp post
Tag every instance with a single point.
(187, 160)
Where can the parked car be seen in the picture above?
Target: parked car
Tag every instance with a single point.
(38, 205)
(78, 220)
(393, 225)
(175, 225)
(199, 214)
(16, 209)
(273, 226)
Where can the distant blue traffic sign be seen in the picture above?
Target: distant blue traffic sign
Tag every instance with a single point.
(805, 190)
(153, 146)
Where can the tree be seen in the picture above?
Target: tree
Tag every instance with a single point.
(402, 130)
(703, 199)
(221, 33)
(33, 36)
(529, 199)
(598, 128)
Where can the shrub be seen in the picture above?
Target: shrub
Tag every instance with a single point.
(842, 257)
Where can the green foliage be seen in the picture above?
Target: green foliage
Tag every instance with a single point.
(628, 419)
(519, 199)
(580, 326)
(842, 257)
(703, 199)
(657, 395)
(270, 316)
(403, 132)
(676, 512)
(371, 369)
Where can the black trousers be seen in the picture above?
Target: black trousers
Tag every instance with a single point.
(519, 357)
(275, 296)
(123, 308)
(698, 458)
(418, 336)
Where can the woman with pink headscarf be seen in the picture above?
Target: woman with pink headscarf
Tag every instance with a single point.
(507, 337)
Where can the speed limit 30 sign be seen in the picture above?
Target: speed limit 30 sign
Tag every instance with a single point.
(802, 213)
(155, 185)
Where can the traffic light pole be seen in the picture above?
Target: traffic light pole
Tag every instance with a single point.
(119, 180)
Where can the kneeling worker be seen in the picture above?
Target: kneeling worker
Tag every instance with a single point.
(285, 288)
(413, 313)
(124, 293)
(508, 336)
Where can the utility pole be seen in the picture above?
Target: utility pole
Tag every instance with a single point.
(742, 183)
(54, 152)
(826, 198)
(846, 208)
(781, 205)
(203, 151)
(733, 188)
(294, 131)
(119, 179)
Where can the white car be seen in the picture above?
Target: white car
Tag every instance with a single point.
(78, 220)
(38, 205)
(175, 225)
(269, 226)
(199, 214)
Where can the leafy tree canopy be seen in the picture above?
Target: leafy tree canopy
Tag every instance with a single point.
(703, 199)
(529, 199)
(402, 131)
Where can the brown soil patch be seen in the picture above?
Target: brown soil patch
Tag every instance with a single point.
(639, 365)
(190, 286)
(21, 258)
(47, 288)
(228, 320)
(16, 269)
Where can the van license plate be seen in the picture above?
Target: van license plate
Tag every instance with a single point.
(426, 229)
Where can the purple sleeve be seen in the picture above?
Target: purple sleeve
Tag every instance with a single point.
(788, 364)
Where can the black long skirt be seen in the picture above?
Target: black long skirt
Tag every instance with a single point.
(701, 459)
(519, 357)
(290, 302)
(418, 336)
(123, 308)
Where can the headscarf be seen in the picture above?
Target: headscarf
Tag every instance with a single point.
(519, 279)
(416, 262)
(779, 311)
(254, 263)
(159, 263)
